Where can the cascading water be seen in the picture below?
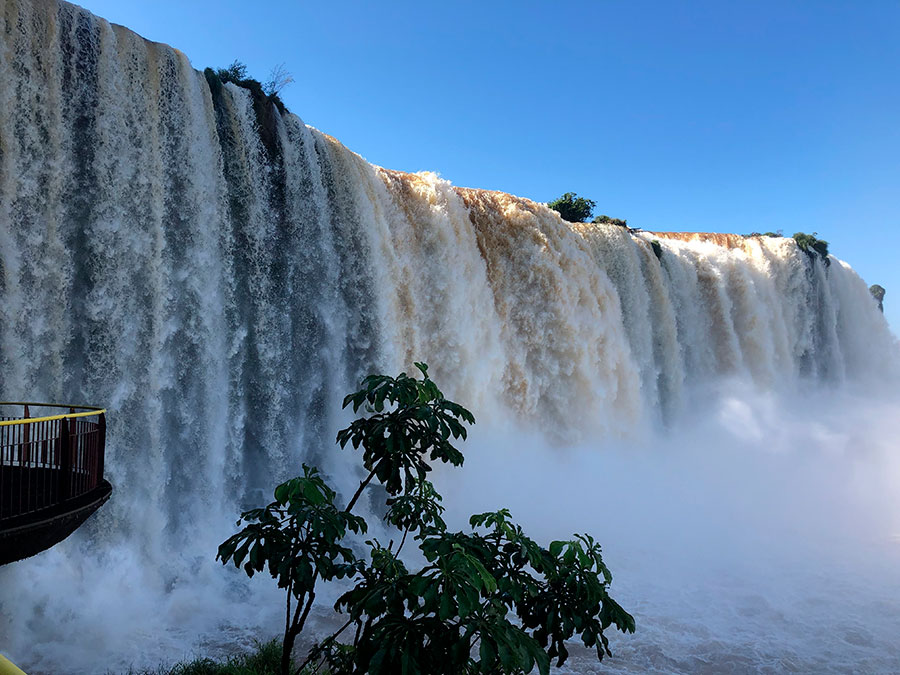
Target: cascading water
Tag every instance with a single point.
(218, 275)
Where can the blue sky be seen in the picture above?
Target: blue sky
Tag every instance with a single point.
(701, 115)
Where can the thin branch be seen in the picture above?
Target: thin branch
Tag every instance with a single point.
(362, 486)
(402, 541)
(297, 612)
(299, 626)
(279, 78)
(359, 625)
(287, 614)
(313, 653)
(367, 626)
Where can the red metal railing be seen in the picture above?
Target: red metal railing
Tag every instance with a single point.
(47, 460)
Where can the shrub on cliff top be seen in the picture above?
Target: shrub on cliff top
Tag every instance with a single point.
(262, 97)
(236, 73)
(811, 245)
(606, 220)
(573, 208)
(877, 291)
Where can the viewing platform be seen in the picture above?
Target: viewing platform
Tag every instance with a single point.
(51, 474)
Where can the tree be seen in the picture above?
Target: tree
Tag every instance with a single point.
(490, 600)
(236, 72)
(878, 292)
(812, 246)
(573, 208)
(279, 78)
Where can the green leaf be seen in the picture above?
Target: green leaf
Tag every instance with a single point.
(281, 493)
(488, 654)
(446, 607)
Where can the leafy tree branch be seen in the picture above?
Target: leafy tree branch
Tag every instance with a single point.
(488, 600)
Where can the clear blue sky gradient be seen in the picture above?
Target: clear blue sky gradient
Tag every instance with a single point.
(702, 115)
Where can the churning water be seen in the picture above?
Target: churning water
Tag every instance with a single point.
(218, 275)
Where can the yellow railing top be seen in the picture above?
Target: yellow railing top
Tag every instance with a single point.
(89, 411)
(7, 667)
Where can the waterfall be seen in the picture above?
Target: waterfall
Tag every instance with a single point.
(218, 278)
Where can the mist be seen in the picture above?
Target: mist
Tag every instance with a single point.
(760, 534)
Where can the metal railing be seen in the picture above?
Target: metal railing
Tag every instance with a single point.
(45, 461)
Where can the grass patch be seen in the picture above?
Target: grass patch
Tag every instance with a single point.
(264, 660)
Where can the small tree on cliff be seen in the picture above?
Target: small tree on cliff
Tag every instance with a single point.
(236, 72)
(812, 245)
(878, 292)
(573, 208)
(489, 600)
(279, 78)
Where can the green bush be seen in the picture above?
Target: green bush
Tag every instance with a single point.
(236, 73)
(606, 220)
(573, 208)
(878, 292)
(812, 246)
(487, 600)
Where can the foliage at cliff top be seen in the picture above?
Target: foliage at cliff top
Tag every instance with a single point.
(606, 220)
(486, 600)
(812, 245)
(264, 98)
(236, 73)
(573, 208)
(878, 291)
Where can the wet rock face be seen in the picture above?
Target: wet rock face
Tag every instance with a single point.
(878, 293)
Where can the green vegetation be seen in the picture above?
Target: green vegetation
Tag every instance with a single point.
(878, 292)
(657, 249)
(265, 97)
(606, 220)
(265, 660)
(487, 600)
(236, 73)
(577, 209)
(765, 234)
(812, 246)
(573, 208)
